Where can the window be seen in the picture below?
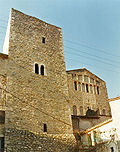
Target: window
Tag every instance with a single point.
(91, 89)
(1, 144)
(75, 85)
(85, 78)
(42, 70)
(94, 89)
(79, 86)
(87, 89)
(97, 90)
(74, 110)
(81, 110)
(74, 76)
(83, 87)
(2, 116)
(80, 77)
(45, 128)
(91, 80)
(36, 68)
(112, 149)
(39, 69)
(97, 82)
(43, 39)
(103, 112)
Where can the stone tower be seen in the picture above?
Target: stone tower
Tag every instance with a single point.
(37, 92)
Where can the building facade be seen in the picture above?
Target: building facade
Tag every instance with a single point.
(38, 96)
(88, 99)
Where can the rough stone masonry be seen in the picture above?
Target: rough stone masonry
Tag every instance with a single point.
(34, 88)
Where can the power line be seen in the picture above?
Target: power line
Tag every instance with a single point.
(91, 54)
(90, 57)
(34, 107)
(77, 43)
(93, 66)
(98, 60)
(91, 47)
(34, 98)
(79, 50)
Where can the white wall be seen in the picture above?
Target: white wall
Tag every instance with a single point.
(6, 41)
(115, 110)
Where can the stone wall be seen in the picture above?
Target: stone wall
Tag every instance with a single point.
(3, 87)
(84, 99)
(24, 141)
(34, 100)
(47, 93)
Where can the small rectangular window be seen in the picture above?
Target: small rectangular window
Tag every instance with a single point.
(85, 78)
(91, 80)
(91, 89)
(83, 87)
(2, 116)
(94, 89)
(75, 85)
(79, 86)
(2, 144)
(45, 128)
(87, 89)
(97, 82)
(43, 39)
(80, 77)
(74, 76)
(97, 90)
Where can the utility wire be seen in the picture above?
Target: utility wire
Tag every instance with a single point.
(89, 55)
(33, 106)
(81, 44)
(34, 98)
(91, 47)
(90, 58)
(79, 50)
(77, 43)
(93, 66)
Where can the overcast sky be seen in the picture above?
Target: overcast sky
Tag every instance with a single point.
(91, 33)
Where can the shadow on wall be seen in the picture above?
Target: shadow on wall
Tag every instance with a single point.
(24, 141)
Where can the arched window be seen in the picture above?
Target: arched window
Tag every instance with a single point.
(36, 68)
(81, 111)
(42, 69)
(103, 112)
(45, 128)
(74, 110)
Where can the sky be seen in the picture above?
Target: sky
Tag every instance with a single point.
(91, 33)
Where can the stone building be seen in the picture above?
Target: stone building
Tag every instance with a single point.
(104, 136)
(88, 99)
(37, 95)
